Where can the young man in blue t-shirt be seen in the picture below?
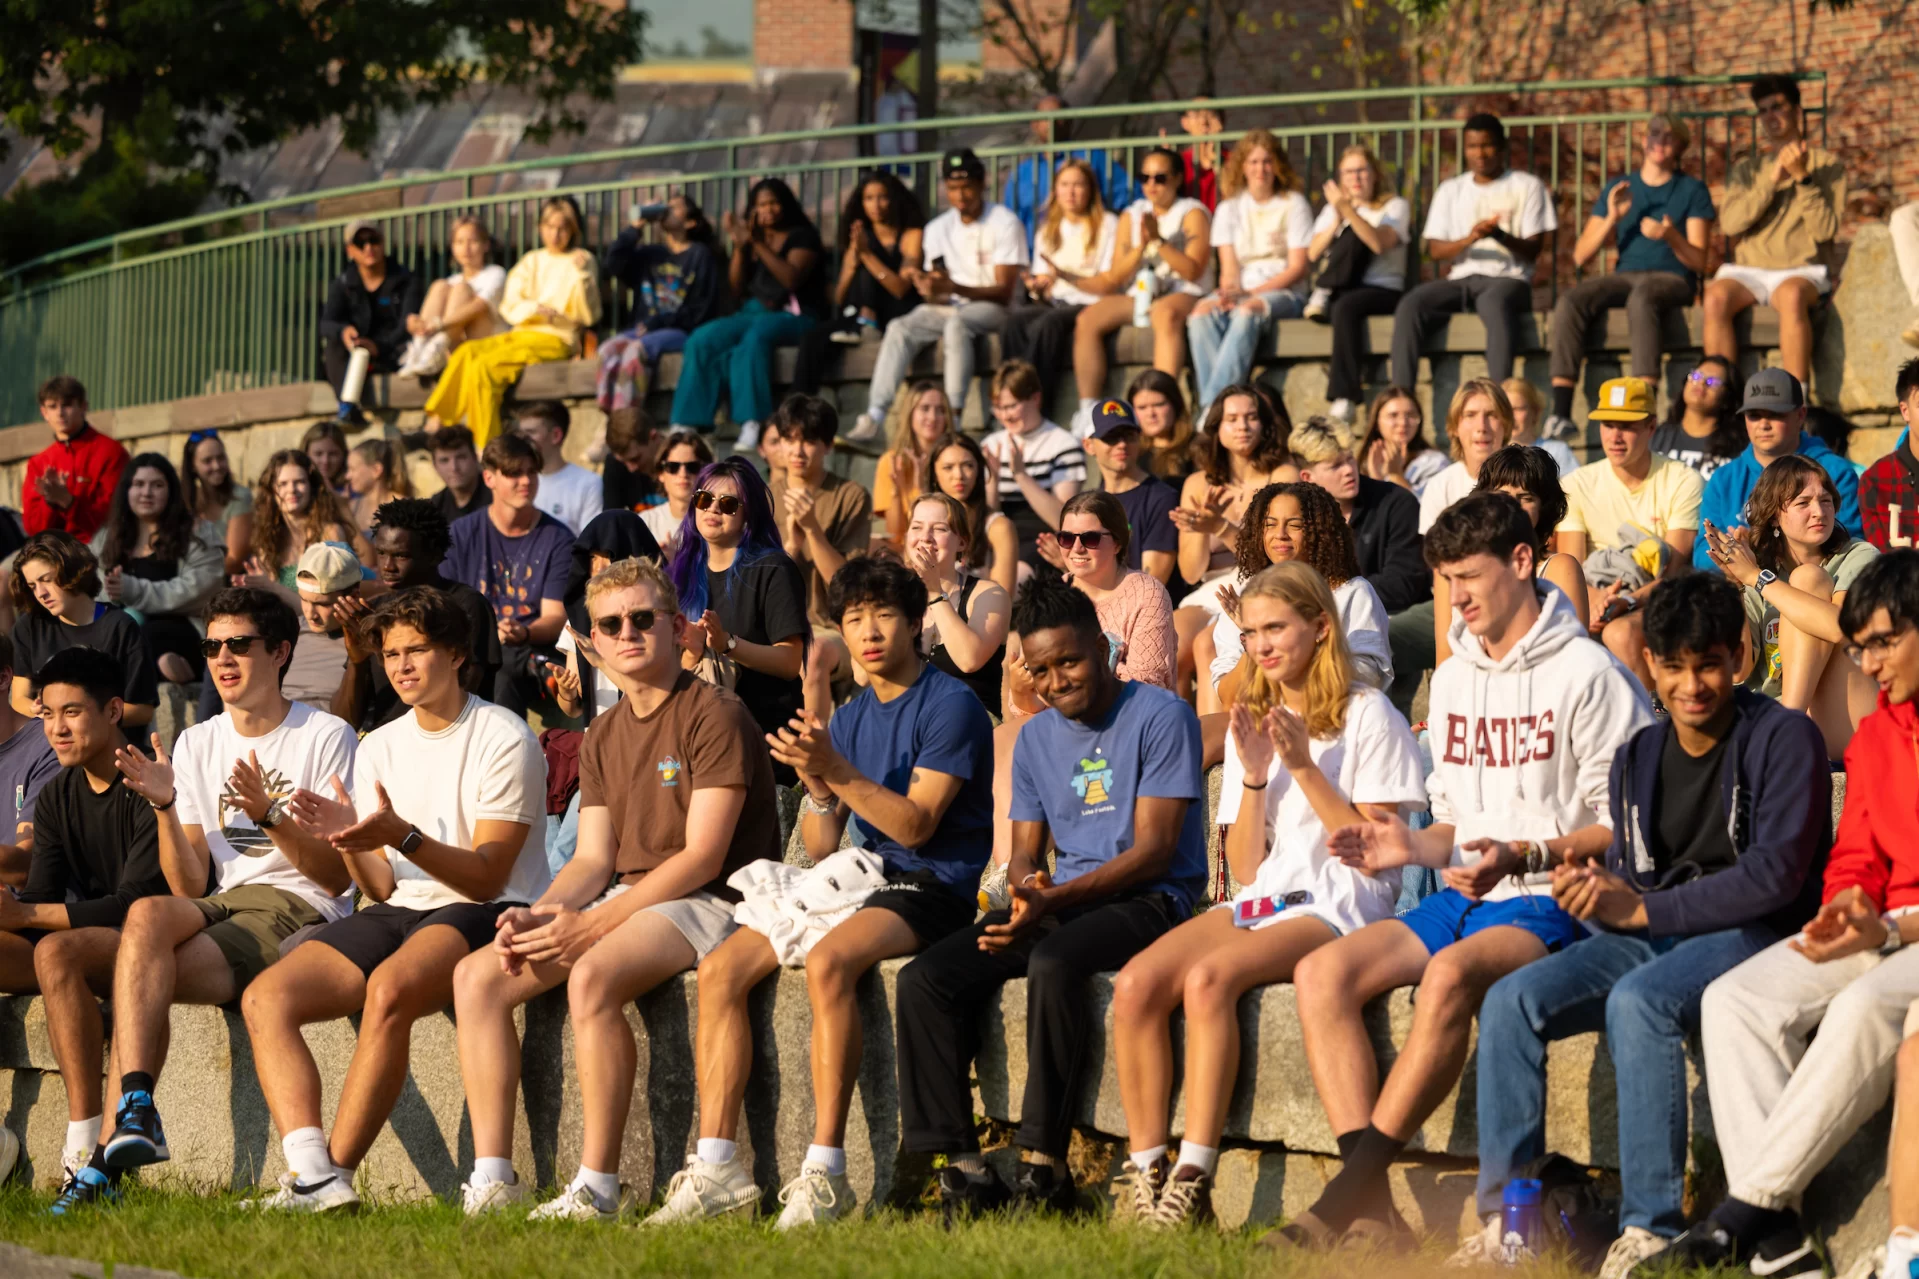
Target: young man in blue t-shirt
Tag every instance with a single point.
(910, 763)
(1658, 220)
(1111, 772)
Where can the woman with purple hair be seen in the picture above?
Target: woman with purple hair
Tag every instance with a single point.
(745, 597)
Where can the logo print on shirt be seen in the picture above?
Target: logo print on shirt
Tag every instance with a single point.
(669, 771)
(249, 840)
(1093, 782)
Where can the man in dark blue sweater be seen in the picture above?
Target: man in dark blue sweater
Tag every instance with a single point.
(1721, 816)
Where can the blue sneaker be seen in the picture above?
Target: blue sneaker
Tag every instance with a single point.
(138, 1139)
(85, 1187)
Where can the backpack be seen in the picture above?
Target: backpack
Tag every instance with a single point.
(1579, 1213)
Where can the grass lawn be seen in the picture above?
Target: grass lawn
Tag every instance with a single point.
(209, 1238)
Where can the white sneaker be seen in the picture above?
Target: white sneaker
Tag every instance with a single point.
(865, 430)
(1082, 427)
(1481, 1248)
(749, 438)
(702, 1190)
(1556, 427)
(329, 1194)
(71, 1161)
(1627, 1251)
(491, 1196)
(577, 1204)
(814, 1197)
(994, 892)
(1341, 411)
(1318, 304)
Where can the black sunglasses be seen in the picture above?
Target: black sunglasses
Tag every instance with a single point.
(681, 468)
(726, 503)
(238, 645)
(613, 625)
(1091, 541)
(1156, 178)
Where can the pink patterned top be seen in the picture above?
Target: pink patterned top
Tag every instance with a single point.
(1140, 613)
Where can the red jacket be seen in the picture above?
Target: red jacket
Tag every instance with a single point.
(1878, 843)
(90, 463)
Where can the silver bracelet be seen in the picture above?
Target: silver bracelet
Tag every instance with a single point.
(819, 809)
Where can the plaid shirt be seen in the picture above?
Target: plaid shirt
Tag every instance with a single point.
(1889, 499)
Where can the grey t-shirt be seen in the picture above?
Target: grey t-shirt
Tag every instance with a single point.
(318, 665)
(26, 763)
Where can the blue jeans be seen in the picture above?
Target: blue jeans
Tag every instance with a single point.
(562, 835)
(1224, 342)
(1644, 994)
(734, 354)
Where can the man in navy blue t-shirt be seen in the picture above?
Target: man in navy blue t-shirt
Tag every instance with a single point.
(1147, 499)
(1111, 772)
(909, 762)
(1658, 219)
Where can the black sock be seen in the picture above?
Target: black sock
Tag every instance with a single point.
(1360, 1188)
(136, 1081)
(1347, 1141)
(99, 1164)
(1749, 1223)
(1563, 401)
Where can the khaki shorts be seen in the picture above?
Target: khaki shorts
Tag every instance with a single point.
(248, 924)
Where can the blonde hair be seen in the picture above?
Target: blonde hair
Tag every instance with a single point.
(1329, 681)
(1502, 409)
(380, 452)
(1318, 439)
(1232, 174)
(903, 439)
(1048, 236)
(621, 574)
(1681, 133)
(1382, 189)
(957, 517)
(1518, 388)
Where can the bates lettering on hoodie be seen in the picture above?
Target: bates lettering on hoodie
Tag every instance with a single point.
(1501, 742)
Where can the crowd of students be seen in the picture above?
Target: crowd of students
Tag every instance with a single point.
(998, 692)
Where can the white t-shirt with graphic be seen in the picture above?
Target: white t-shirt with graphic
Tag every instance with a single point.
(1081, 251)
(1263, 234)
(307, 750)
(485, 766)
(972, 249)
(1387, 270)
(1520, 202)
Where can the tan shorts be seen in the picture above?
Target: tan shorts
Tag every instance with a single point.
(248, 924)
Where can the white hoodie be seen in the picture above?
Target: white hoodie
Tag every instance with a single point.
(1522, 747)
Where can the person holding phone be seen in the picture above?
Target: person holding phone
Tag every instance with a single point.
(1310, 749)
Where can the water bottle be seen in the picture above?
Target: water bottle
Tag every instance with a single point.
(1521, 1225)
(646, 298)
(355, 379)
(1143, 298)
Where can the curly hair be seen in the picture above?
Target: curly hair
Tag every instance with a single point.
(418, 516)
(272, 532)
(429, 611)
(74, 568)
(1728, 439)
(1272, 451)
(907, 215)
(1329, 539)
(1778, 485)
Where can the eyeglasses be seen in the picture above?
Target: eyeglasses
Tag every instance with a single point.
(238, 645)
(1090, 541)
(1880, 646)
(1155, 179)
(680, 468)
(613, 625)
(1706, 380)
(725, 503)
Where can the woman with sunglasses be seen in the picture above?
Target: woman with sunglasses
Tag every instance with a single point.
(160, 564)
(967, 615)
(1702, 429)
(1165, 235)
(683, 456)
(206, 482)
(925, 420)
(1134, 608)
(956, 466)
(294, 508)
(53, 586)
(743, 595)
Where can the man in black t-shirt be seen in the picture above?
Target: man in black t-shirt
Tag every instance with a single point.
(1147, 500)
(96, 849)
(457, 464)
(1721, 819)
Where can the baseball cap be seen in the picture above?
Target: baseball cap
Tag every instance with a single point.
(358, 225)
(328, 567)
(960, 162)
(1622, 399)
(1113, 415)
(1773, 391)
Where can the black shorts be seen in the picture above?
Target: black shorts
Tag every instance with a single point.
(933, 910)
(370, 935)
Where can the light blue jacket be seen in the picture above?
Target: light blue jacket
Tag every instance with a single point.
(1731, 485)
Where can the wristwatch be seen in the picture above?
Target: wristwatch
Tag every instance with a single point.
(1766, 578)
(732, 642)
(275, 814)
(1895, 940)
(412, 841)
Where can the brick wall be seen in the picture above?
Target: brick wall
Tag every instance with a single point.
(1045, 20)
(803, 35)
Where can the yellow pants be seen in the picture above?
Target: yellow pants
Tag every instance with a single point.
(479, 372)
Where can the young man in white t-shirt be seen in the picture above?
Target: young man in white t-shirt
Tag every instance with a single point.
(571, 494)
(1490, 223)
(974, 254)
(220, 801)
(472, 781)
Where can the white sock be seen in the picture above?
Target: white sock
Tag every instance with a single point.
(1143, 1159)
(832, 1158)
(1086, 406)
(1902, 1251)
(489, 1169)
(83, 1134)
(1341, 408)
(307, 1156)
(973, 1164)
(604, 1186)
(1040, 1158)
(1194, 1155)
(717, 1150)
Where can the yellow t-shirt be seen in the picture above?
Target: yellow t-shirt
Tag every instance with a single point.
(1598, 502)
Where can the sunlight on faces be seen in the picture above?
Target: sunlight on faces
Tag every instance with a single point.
(75, 726)
(1073, 191)
(766, 209)
(1771, 433)
(457, 468)
(1068, 667)
(237, 676)
(317, 608)
(876, 202)
(1117, 451)
(42, 578)
(394, 560)
(1889, 655)
(1481, 434)
(328, 457)
(1626, 443)
(1155, 414)
(1808, 518)
(932, 530)
(931, 417)
(419, 670)
(1339, 476)
(469, 247)
(292, 490)
(965, 194)
(1485, 154)
(64, 417)
(1159, 182)
(1239, 425)
(1260, 171)
(362, 476)
(1279, 639)
(1400, 420)
(556, 231)
(1017, 415)
(210, 462)
(541, 434)
(147, 493)
(800, 454)
(1707, 387)
(650, 656)
(1283, 532)
(515, 492)
(1099, 564)
(1695, 687)
(718, 529)
(1488, 590)
(1527, 499)
(1356, 178)
(883, 640)
(956, 472)
(1778, 117)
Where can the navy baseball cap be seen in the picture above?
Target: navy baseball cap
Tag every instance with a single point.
(960, 162)
(1110, 416)
(1773, 391)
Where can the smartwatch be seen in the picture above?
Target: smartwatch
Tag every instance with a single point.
(412, 841)
(1766, 578)
(1895, 940)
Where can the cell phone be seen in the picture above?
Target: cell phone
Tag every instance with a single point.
(1619, 607)
(1258, 909)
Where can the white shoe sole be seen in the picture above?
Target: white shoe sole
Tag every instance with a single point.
(750, 1208)
(9, 1153)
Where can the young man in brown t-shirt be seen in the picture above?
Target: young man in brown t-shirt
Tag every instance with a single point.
(824, 519)
(676, 793)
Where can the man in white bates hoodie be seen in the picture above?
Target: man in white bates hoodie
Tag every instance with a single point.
(1525, 718)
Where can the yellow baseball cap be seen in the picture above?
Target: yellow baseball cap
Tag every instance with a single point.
(1623, 399)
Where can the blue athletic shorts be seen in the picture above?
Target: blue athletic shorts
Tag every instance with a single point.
(1449, 916)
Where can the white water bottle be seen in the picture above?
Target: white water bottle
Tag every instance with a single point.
(1143, 298)
(355, 379)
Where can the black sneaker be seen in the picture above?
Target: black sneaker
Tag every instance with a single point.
(962, 1196)
(1705, 1246)
(85, 1186)
(1045, 1188)
(138, 1139)
(1787, 1252)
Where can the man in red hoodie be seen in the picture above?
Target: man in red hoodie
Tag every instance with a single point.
(70, 482)
(1783, 1106)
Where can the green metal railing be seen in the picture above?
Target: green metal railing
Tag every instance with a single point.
(231, 300)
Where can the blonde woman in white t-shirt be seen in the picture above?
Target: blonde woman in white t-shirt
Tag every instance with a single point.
(1072, 255)
(1170, 235)
(1261, 230)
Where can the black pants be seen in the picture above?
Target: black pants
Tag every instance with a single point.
(1041, 333)
(942, 993)
(1498, 300)
(335, 360)
(172, 633)
(1349, 312)
(520, 685)
(816, 348)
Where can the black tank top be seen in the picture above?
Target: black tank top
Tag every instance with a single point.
(985, 682)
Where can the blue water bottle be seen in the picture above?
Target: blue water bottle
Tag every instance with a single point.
(1521, 1222)
(646, 297)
